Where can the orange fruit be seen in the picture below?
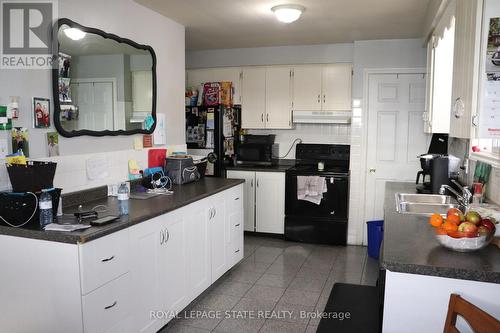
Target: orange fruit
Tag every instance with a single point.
(436, 220)
(450, 226)
(453, 219)
(441, 231)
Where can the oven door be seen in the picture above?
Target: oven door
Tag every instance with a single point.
(334, 204)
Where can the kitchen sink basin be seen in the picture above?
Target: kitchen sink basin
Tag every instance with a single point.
(424, 208)
(423, 198)
(424, 204)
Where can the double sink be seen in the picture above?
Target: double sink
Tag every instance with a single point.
(424, 204)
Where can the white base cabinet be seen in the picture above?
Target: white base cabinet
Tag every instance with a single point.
(265, 200)
(119, 283)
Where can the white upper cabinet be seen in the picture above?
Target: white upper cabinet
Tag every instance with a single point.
(465, 68)
(322, 87)
(307, 87)
(253, 98)
(336, 87)
(278, 98)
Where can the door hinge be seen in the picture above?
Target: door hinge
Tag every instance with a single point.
(475, 121)
(352, 72)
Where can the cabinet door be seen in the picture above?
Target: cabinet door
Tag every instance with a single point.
(270, 202)
(278, 98)
(198, 240)
(307, 88)
(218, 236)
(249, 195)
(230, 74)
(173, 259)
(336, 85)
(465, 67)
(253, 97)
(145, 256)
(142, 90)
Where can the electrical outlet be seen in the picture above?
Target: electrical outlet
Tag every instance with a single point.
(4, 148)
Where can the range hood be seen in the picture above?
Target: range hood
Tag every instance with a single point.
(322, 117)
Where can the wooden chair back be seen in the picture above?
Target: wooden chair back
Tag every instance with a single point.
(479, 321)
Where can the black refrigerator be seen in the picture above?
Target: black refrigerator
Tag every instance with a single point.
(213, 131)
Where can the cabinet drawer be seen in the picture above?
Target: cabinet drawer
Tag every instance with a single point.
(236, 246)
(234, 198)
(103, 260)
(107, 309)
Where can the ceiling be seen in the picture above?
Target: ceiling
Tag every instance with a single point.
(216, 24)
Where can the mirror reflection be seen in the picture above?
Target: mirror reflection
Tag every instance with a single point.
(103, 84)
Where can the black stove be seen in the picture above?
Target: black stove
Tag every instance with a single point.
(323, 222)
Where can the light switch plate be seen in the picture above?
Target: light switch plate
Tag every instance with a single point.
(4, 148)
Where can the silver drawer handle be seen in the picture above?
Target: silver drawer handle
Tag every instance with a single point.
(237, 251)
(238, 198)
(110, 306)
(108, 259)
(237, 225)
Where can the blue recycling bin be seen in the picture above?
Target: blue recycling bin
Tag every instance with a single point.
(375, 236)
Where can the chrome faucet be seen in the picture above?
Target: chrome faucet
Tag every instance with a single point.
(463, 199)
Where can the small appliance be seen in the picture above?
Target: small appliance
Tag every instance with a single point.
(434, 172)
(257, 150)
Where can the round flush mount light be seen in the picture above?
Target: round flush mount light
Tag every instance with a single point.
(74, 33)
(288, 13)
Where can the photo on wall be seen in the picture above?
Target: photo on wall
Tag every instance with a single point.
(41, 112)
(493, 49)
(20, 140)
(64, 90)
(53, 144)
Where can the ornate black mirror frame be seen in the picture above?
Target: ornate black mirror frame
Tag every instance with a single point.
(55, 82)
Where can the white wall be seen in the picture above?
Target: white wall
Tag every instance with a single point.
(126, 19)
(402, 53)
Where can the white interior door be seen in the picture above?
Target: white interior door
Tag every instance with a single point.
(278, 98)
(395, 134)
(95, 103)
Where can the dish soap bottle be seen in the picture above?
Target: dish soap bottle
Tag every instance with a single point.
(45, 206)
(123, 199)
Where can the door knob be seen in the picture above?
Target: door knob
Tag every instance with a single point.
(372, 170)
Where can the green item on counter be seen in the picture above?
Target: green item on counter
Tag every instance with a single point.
(482, 173)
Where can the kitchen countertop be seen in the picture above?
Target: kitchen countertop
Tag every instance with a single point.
(409, 246)
(139, 211)
(282, 166)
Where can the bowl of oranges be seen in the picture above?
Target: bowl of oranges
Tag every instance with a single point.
(463, 232)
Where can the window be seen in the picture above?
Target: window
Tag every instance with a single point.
(440, 67)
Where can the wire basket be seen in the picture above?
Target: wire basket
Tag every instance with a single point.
(32, 177)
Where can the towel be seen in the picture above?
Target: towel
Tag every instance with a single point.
(311, 188)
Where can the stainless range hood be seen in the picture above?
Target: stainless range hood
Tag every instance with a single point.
(322, 117)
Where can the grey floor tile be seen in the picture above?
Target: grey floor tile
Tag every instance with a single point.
(280, 326)
(267, 254)
(218, 302)
(207, 321)
(265, 292)
(310, 273)
(294, 313)
(290, 259)
(232, 288)
(312, 328)
(370, 272)
(273, 280)
(240, 325)
(306, 284)
(177, 327)
(278, 268)
(250, 264)
(251, 304)
(244, 276)
(300, 297)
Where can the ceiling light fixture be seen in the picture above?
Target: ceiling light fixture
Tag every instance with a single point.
(288, 13)
(74, 33)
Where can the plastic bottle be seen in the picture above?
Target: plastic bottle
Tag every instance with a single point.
(123, 199)
(45, 206)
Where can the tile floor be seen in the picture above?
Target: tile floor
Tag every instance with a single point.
(277, 275)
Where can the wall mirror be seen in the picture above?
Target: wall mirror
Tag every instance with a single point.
(102, 84)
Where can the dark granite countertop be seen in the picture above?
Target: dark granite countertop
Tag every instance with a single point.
(282, 166)
(139, 211)
(409, 246)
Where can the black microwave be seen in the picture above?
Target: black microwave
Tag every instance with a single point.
(257, 154)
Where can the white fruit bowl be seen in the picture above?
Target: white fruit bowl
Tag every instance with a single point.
(464, 244)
